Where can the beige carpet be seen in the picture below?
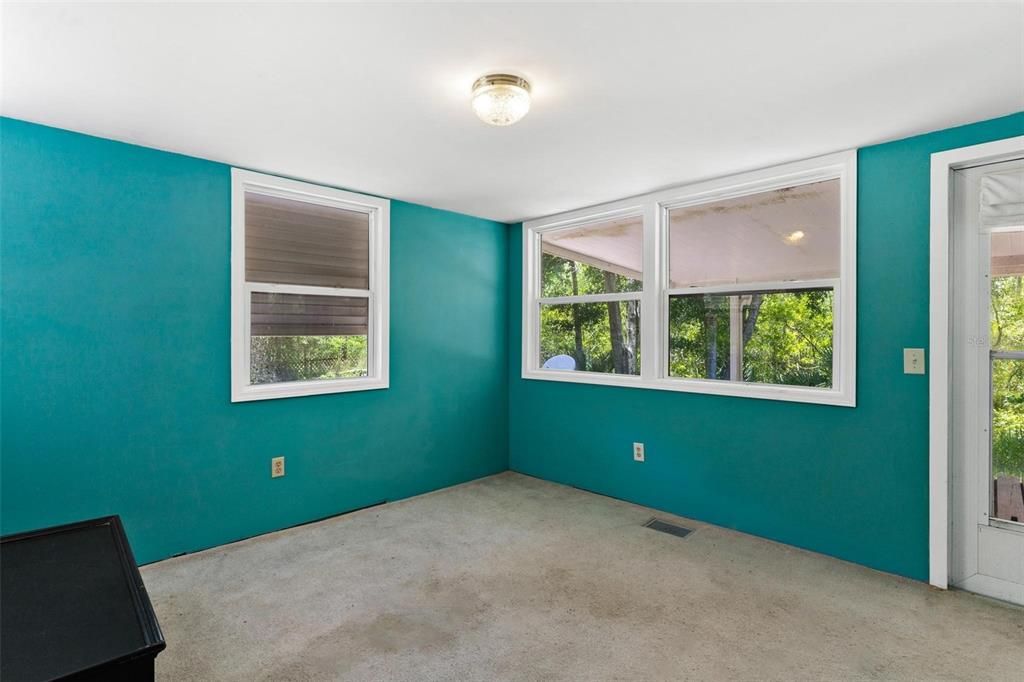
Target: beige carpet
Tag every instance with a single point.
(515, 578)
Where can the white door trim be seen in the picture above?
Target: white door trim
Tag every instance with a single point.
(943, 163)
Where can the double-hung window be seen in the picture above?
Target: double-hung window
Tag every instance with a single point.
(739, 286)
(309, 289)
(590, 306)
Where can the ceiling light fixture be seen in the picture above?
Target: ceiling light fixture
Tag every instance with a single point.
(501, 99)
(794, 237)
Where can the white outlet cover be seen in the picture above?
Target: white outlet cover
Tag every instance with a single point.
(638, 452)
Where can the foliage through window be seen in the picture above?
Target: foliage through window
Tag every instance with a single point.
(1007, 337)
(784, 337)
(779, 332)
(730, 286)
(577, 332)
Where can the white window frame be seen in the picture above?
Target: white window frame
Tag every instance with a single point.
(378, 211)
(654, 301)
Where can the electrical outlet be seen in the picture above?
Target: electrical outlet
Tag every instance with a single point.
(277, 467)
(913, 360)
(638, 452)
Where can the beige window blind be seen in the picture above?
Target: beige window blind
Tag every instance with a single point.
(297, 242)
(306, 315)
(1002, 199)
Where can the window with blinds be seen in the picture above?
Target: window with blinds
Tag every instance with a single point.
(309, 289)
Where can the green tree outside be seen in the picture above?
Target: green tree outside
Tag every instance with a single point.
(277, 359)
(1007, 333)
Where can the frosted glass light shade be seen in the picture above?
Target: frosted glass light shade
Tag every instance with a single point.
(501, 99)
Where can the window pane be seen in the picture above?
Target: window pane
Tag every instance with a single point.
(296, 242)
(593, 259)
(591, 337)
(772, 337)
(782, 235)
(1007, 316)
(1008, 439)
(299, 337)
(699, 335)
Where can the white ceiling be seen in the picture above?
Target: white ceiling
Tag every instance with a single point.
(628, 98)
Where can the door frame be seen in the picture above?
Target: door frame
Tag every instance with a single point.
(942, 166)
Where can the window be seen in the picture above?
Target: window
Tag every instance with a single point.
(738, 286)
(309, 290)
(589, 307)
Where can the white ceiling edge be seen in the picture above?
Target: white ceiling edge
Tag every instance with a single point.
(895, 137)
(785, 83)
(783, 160)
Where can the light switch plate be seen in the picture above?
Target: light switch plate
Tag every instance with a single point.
(913, 360)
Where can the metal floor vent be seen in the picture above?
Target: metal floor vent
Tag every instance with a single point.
(666, 527)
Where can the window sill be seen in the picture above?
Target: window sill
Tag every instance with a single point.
(297, 389)
(796, 394)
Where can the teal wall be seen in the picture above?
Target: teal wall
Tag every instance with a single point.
(115, 343)
(852, 483)
(115, 378)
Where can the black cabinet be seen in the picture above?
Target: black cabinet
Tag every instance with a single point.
(73, 606)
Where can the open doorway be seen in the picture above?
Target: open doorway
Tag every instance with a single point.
(984, 375)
